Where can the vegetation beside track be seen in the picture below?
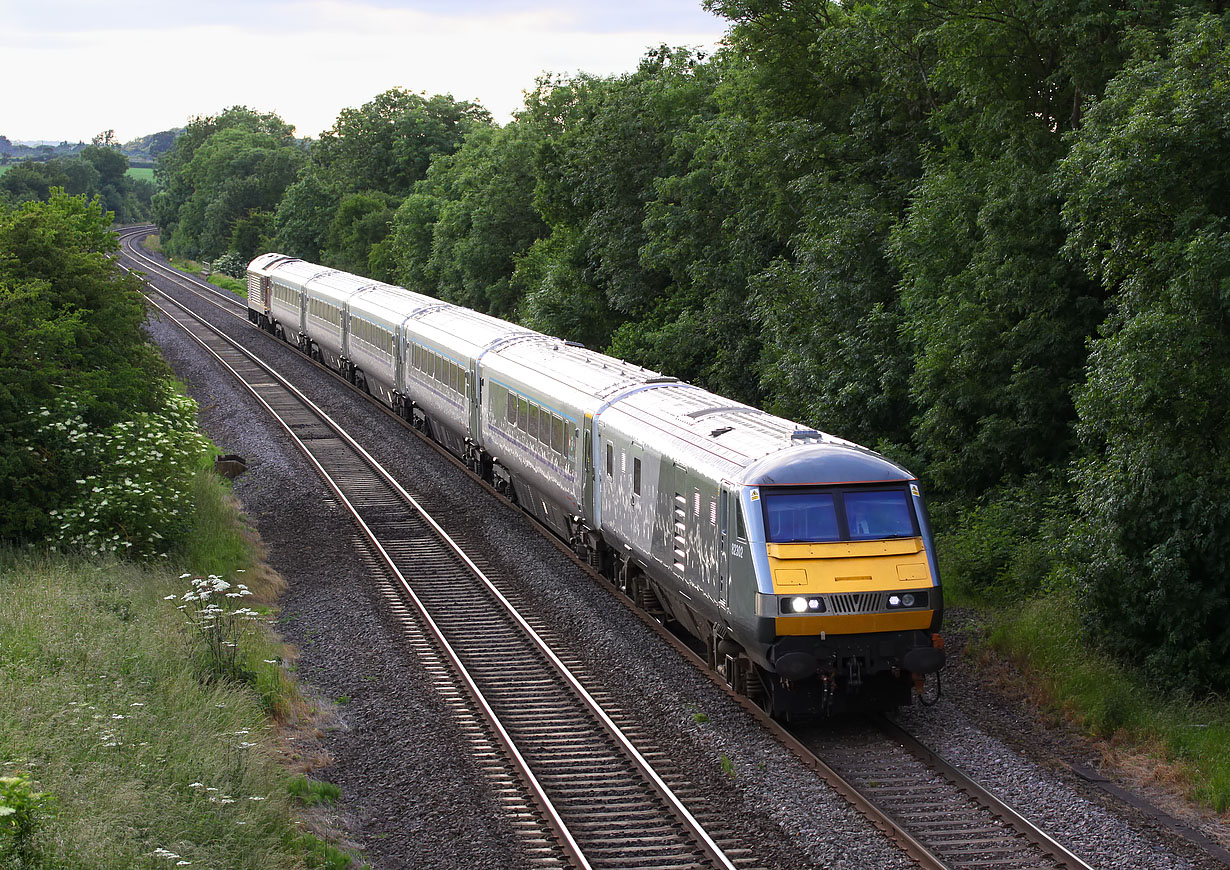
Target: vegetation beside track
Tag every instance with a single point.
(141, 691)
(1180, 744)
(153, 243)
(150, 727)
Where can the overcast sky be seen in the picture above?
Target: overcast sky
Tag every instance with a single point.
(74, 68)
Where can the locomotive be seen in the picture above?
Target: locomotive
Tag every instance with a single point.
(802, 563)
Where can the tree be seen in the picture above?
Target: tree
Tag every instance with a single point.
(70, 331)
(1149, 212)
(220, 170)
(387, 144)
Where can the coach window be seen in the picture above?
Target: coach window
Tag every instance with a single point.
(636, 475)
(557, 434)
(610, 460)
(533, 429)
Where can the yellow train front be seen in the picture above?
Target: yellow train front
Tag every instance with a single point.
(848, 602)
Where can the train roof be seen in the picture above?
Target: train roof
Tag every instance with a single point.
(599, 377)
(737, 442)
(464, 330)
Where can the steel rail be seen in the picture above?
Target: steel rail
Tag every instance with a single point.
(980, 793)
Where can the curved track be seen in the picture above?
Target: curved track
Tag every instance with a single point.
(938, 815)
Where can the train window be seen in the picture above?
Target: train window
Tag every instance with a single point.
(636, 476)
(510, 410)
(557, 434)
(523, 414)
(610, 460)
(740, 528)
(801, 516)
(876, 515)
(533, 426)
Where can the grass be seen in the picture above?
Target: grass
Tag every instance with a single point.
(110, 707)
(143, 172)
(1185, 744)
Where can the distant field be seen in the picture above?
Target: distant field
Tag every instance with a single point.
(146, 172)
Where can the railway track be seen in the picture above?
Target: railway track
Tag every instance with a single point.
(938, 816)
(962, 824)
(595, 794)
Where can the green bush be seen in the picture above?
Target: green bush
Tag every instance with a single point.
(22, 811)
(70, 332)
(135, 490)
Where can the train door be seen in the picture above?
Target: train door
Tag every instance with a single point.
(723, 578)
(474, 398)
(587, 464)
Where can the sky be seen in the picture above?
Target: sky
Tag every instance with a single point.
(74, 68)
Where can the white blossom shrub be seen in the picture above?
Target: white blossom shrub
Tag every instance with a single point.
(136, 498)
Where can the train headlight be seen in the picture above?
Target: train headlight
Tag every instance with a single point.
(907, 599)
(796, 604)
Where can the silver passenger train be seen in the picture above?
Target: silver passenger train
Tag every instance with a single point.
(802, 563)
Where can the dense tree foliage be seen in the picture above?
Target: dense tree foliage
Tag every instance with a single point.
(1148, 204)
(219, 173)
(988, 240)
(341, 207)
(96, 170)
(70, 339)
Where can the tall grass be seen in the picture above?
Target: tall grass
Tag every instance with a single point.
(1189, 741)
(111, 706)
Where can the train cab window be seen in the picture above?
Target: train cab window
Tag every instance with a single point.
(636, 475)
(801, 516)
(740, 526)
(610, 461)
(837, 515)
(876, 515)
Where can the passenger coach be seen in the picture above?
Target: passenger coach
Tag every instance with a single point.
(802, 562)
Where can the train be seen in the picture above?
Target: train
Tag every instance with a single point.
(802, 564)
